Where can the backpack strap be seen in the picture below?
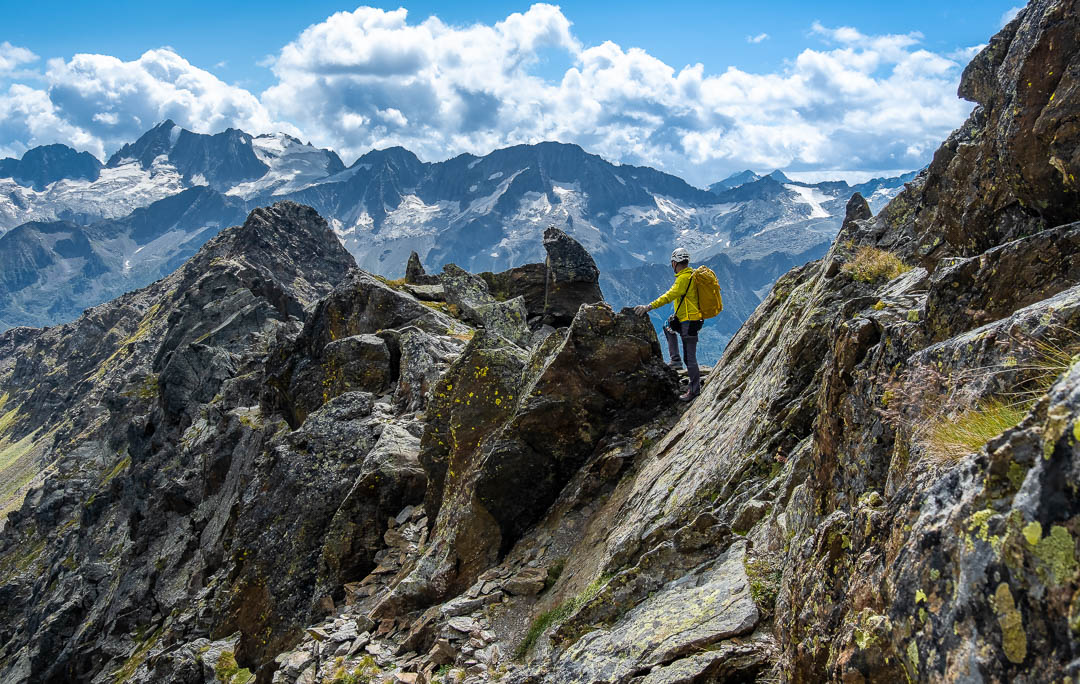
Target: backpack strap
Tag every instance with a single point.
(686, 292)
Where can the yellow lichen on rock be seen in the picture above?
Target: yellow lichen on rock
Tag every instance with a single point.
(1013, 638)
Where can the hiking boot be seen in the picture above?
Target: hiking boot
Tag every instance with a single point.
(675, 364)
(690, 395)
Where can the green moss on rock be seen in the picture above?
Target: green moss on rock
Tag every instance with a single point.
(764, 576)
(1057, 551)
(227, 670)
(137, 657)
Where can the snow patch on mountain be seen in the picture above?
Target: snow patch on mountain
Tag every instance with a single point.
(535, 208)
(484, 205)
(813, 197)
(116, 193)
(697, 228)
(293, 166)
(882, 196)
(414, 218)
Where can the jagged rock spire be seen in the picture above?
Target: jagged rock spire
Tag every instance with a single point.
(415, 273)
(572, 278)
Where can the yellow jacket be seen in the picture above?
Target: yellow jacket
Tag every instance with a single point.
(688, 308)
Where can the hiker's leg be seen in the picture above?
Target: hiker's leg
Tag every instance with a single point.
(689, 340)
(672, 341)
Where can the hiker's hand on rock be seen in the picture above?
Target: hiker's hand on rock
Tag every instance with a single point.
(641, 309)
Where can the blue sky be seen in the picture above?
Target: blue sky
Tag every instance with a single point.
(816, 88)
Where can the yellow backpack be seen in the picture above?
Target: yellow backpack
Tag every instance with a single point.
(709, 300)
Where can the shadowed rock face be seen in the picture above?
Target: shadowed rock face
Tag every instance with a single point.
(528, 281)
(119, 402)
(339, 350)
(415, 273)
(503, 419)
(552, 291)
(965, 293)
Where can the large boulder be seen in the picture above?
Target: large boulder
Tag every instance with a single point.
(528, 281)
(346, 345)
(572, 278)
(506, 435)
(355, 363)
(551, 292)
(507, 319)
(465, 291)
(469, 293)
(424, 357)
(602, 378)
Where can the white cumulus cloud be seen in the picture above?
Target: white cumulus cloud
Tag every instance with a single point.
(1010, 14)
(861, 100)
(116, 101)
(758, 38)
(372, 78)
(435, 88)
(29, 118)
(12, 56)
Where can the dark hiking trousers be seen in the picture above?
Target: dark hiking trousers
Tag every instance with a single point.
(687, 330)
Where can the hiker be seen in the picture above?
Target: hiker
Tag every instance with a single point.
(685, 322)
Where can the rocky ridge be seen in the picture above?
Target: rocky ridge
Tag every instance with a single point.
(877, 481)
(220, 452)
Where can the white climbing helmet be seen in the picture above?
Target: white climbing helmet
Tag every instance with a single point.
(680, 255)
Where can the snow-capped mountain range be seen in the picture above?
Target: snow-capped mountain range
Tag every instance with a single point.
(94, 230)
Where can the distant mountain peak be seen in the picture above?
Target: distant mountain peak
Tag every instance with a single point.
(779, 176)
(220, 160)
(41, 166)
(393, 151)
(734, 181)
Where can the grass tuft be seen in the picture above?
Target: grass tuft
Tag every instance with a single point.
(396, 283)
(447, 308)
(949, 440)
(951, 415)
(764, 574)
(116, 470)
(555, 571)
(872, 265)
(558, 615)
(138, 656)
